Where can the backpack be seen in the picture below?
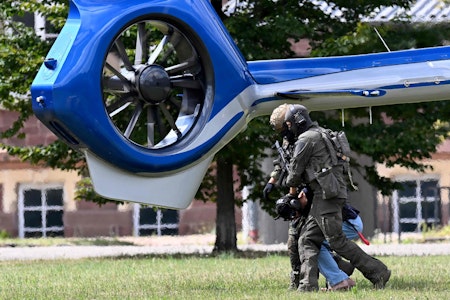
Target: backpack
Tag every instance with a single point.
(339, 150)
(337, 144)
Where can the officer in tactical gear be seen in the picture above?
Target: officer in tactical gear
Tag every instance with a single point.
(313, 165)
(335, 270)
(289, 208)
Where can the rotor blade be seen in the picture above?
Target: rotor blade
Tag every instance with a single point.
(141, 44)
(158, 49)
(122, 78)
(113, 59)
(180, 67)
(159, 123)
(175, 102)
(167, 53)
(133, 121)
(119, 105)
(183, 48)
(185, 81)
(170, 120)
(115, 85)
(150, 126)
(118, 110)
(123, 54)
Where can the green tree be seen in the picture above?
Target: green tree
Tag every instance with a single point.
(401, 134)
(22, 52)
(262, 30)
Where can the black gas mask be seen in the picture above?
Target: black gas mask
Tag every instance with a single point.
(299, 118)
(287, 134)
(287, 207)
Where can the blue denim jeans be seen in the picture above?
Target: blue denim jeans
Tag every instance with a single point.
(327, 265)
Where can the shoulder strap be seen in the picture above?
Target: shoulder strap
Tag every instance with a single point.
(328, 143)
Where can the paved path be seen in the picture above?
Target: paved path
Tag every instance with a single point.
(77, 252)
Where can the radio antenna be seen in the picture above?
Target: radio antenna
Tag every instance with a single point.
(382, 40)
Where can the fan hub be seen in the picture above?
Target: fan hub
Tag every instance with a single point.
(154, 84)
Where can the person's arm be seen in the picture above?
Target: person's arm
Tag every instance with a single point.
(302, 153)
(269, 187)
(302, 198)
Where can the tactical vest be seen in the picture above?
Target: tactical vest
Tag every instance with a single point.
(339, 149)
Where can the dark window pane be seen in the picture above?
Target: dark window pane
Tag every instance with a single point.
(27, 19)
(33, 234)
(54, 197)
(147, 232)
(408, 189)
(147, 216)
(33, 219)
(408, 227)
(32, 198)
(54, 218)
(169, 216)
(408, 210)
(171, 231)
(431, 209)
(429, 188)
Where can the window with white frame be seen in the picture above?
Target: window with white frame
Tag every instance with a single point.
(43, 28)
(150, 221)
(37, 21)
(416, 205)
(40, 211)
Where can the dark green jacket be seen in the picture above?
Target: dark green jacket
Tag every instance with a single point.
(311, 155)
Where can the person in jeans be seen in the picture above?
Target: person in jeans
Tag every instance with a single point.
(335, 270)
(332, 267)
(312, 164)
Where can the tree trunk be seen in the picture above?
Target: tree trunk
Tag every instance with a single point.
(225, 219)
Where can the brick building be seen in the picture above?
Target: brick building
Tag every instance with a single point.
(424, 201)
(37, 201)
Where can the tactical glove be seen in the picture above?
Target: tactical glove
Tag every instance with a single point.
(267, 189)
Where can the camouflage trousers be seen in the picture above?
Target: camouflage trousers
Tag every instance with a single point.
(327, 218)
(293, 251)
(310, 241)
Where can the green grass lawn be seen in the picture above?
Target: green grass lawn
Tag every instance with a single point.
(206, 277)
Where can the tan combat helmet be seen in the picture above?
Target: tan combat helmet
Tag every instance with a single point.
(277, 118)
